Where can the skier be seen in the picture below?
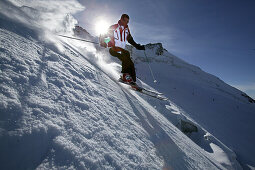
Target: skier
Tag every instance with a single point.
(116, 38)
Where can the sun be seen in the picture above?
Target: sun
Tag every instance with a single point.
(101, 27)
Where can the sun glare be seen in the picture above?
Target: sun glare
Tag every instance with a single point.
(102, 27)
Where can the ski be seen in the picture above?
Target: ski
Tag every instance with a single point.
(153, 95)
(150, 93)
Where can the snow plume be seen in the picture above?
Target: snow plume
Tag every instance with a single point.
(49, 17)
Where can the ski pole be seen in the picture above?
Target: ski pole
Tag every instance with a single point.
(78, 39)
(154, 80)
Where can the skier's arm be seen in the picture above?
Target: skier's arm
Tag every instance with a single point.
(132, 42)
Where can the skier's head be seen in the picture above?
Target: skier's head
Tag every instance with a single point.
(124, 19)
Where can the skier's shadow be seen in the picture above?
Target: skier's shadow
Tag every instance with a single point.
(165, 146)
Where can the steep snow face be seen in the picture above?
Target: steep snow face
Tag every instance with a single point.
(61, 106)
(59, 110)
(224, 111)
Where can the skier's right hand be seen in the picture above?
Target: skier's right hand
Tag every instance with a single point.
(103, 44)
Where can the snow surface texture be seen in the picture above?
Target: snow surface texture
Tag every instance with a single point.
(61, 106)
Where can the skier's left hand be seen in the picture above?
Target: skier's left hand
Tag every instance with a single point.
(140, 47)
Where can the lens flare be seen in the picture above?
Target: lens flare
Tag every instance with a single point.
(102, 27)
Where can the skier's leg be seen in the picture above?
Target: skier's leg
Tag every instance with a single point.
(128, 64)
(115, 54)
(123, 57)
(133, 74)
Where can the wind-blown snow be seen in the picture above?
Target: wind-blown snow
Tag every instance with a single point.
(62, 107)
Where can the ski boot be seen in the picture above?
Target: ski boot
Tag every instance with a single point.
(127, 79)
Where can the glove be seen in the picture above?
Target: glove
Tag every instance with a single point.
(140, 47)
(104, 41)
(103, 44)
(107, 39)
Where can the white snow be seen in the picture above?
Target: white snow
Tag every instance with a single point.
(61, 106)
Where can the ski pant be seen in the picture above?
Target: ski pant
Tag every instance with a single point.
(127, 63)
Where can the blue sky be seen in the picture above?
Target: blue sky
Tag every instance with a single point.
(216, 35)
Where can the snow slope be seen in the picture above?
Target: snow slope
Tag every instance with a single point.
(224, 111)
(62, 108)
